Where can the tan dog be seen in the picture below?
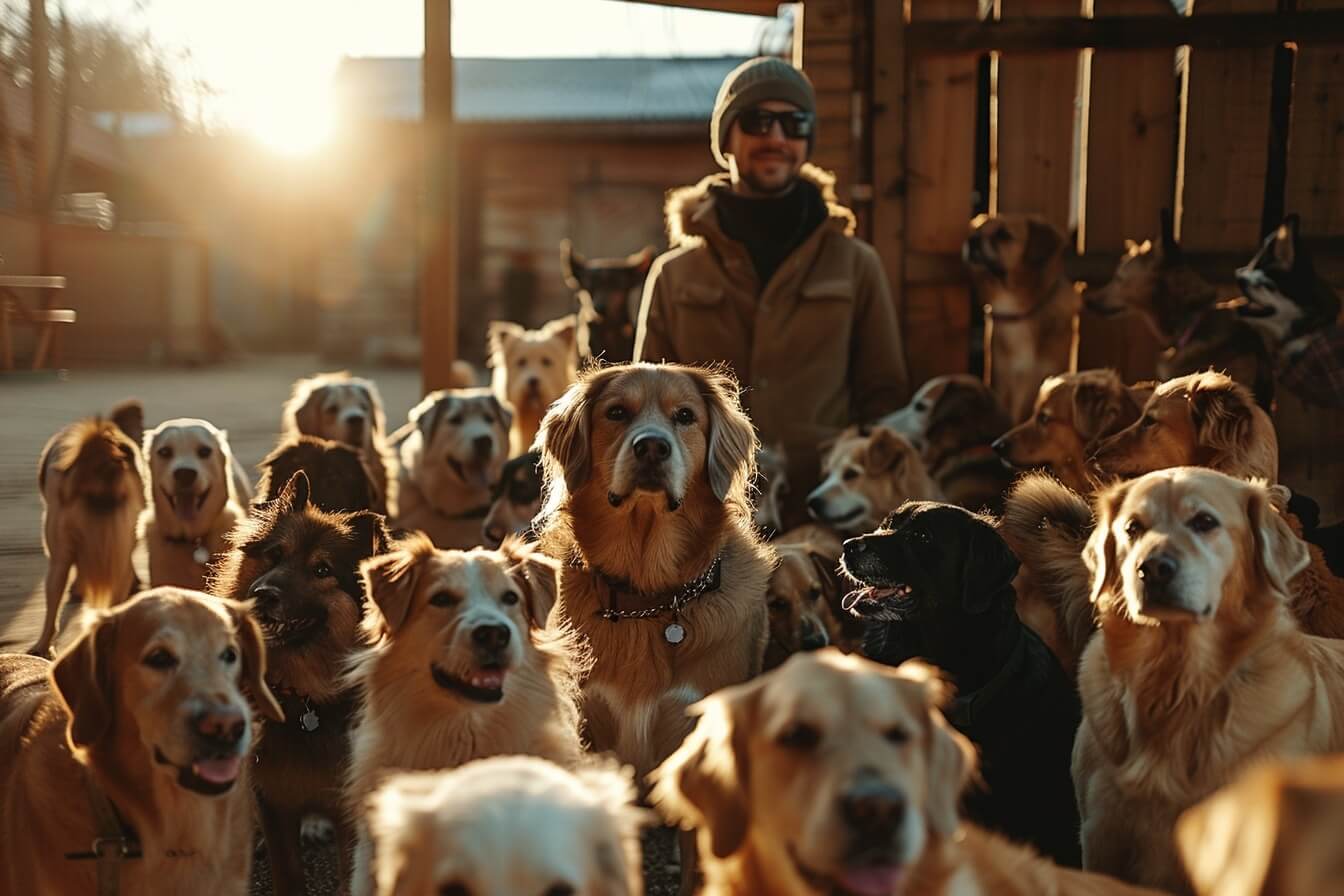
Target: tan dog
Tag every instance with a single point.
(532, 368)
(347, 409)
(461, 667)
(799, 598)
(1274, 830)
(452, 451)
(140, 734)
(1017, 265)
(192, 501)
(1204, 420)
(1074, 413)
(834, 774)
(507, 826)
(92, 482)
(866, 474)
(1199, 668)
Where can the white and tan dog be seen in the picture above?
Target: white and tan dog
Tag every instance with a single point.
(532, 368)
(347, 409)
(191, 501)
(452, 451)
(507, 826)
(869, 472)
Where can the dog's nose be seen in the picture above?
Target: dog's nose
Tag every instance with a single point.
(184, 477)
(873, 808)
(494, 535)
(532, 382)
(652, 449)
(813, 635)
(355, 421)
(1000, 446)
(491, 637)
(855, 545)
(264, 592)
(1158, 570)
(816, 507)
(483, 446)
(225, 725)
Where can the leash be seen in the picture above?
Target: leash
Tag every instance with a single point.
(113, 844)
(675, 601)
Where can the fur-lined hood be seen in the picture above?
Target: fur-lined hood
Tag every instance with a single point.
(688, 208)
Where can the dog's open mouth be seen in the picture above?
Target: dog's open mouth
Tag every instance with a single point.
(864, 879)
(473, 474)
(874, 600)
(186, 503)
(485, 685)
(208, 775)
(291, 632)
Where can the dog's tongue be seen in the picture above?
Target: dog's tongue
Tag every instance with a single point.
(488, 679)
(882, 880)
(477, 474)
(217, 771)
(184, 502)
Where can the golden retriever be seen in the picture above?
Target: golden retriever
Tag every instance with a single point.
(92, 481)
(834, 774)
(1074, 412)
(507, 826)
(192, 502)
(348, 409)
(867, 472)
(663, 575)
(460, 667)
(1199, 667)
(1031, 307)
(532, 368)
(139, 736)
(1274, 830)
(1203, 420)
(452, 451)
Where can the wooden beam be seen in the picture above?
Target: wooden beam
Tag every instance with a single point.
(745, 7)
(438, 225)
(1111, 32)
(887, 138)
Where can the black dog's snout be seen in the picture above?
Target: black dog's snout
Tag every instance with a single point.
(491, 637)
(1158, 570)
(855, 546)
(223, 725)
(873, 808)
(183, 477)
(652, 449)
(1001, 446)
(264, 592)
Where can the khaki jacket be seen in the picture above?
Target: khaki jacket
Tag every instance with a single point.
(817, 349)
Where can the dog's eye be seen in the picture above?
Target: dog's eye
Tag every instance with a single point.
(454, 889)
(1042, 418)
(850, 474)
(331, 411)
(560, 890)
(684, 416)
(1134, 528)
(921, 406)
(442, 599)
(1147, 421)
(616, 413)
(778, 605)
(204, 452)
(522, 362)
(229, 656)
(546, 362)
(896, 735)
(164, 452)
(799, 737)
(455, 420)
(159, 659)
(323, 570)
(1203, 522)
(509, 598)
(814, 594)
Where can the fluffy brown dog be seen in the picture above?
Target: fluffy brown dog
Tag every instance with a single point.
(867, 473)
(647, 469)
(298, 568)
(347, 409)
(1274, 830)
(834, 774)
(338, 479)
(460, 667)
(92, 482)
(1190, 580)
(1017, 265)
(452, 450)
(138, 737)
(192, 502)
(1074, 412)
(1204, 420)
(532, 368)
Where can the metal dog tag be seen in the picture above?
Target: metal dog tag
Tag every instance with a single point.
(674, 633)
(308, 721)
(201, 555)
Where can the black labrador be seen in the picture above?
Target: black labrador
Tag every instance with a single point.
(937, 584)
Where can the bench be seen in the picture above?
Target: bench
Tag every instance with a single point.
(45, 319)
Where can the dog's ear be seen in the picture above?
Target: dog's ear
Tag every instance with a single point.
(390, 581)
(731, 456)
(989, 568)
(371, 533)
(1279, 554)
(294, 496)
(375, 399)
(252, 646)
(704, 783)
(886, 452)
(429, 410)
(826, 575)
(82, 676)
(573, 265)
(564, 436)
(951, 757)
(565, 329)
(1285, 242)
(501, 412)
(129, 417)
(1093, 410)
(499, 335)
(1223, 418)
(303, 411)
(1099, 552)
(537, 575)
(1043, 244)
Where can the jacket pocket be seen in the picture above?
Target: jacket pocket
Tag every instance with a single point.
(700, 295)
(822, 325)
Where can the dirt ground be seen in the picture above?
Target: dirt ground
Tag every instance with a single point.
(244, 398)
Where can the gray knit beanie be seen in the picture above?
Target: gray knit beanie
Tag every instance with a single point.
(755, 81)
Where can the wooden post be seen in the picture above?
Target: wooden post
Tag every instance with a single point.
(1315, 188)
(438, 220)
(39, 61)
(887, 136)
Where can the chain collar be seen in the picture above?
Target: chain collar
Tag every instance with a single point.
(673, 601)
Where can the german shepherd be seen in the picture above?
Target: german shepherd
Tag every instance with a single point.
(603, 287)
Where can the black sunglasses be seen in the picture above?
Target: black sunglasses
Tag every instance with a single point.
(758, 122)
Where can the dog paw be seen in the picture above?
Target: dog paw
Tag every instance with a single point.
(316, 829)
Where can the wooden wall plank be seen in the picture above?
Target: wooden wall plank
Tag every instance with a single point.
(887, 134)
(1315, 188)
(828, 60)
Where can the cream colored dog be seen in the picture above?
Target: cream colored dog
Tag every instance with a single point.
(191, 502)
(1199, 668)
(347, 409)
(869, 472)
(460, 668)
(507, 826)
(532, 368)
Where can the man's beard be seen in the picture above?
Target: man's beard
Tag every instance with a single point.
(762, 188)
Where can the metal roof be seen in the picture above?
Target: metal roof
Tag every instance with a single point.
(635, 89)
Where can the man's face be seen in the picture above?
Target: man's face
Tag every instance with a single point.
(768, 163)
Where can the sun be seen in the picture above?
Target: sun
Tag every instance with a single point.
(299, 127)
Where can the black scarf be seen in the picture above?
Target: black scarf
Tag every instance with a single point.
(770, 227)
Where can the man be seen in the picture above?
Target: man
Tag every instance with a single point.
(764, 274)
